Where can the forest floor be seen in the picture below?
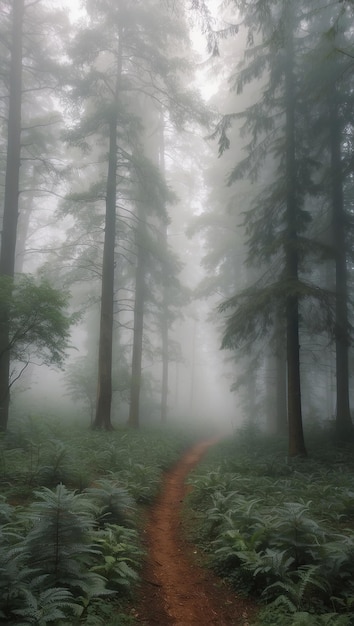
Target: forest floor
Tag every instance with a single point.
(175, 588)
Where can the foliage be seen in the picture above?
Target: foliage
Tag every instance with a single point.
(119, 556)
(71, 557)
(275, 616)
(39, 325)
(49, 606)
(114, 503)
(57, 543)
(254, 311)
(278, 529)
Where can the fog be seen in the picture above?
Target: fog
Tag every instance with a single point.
(177, 186)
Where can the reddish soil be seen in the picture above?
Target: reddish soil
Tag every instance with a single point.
(175, 589)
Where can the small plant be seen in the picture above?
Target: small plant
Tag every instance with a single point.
(278, 532)
(71, 558)
(276, 616)
(58, 543)
(299, 588)
(141, 480)
(57, 465)
(118, 558)
(46, 607)
(114, 504)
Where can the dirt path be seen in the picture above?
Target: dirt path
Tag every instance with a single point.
(175, 589)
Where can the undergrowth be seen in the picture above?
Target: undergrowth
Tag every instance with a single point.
(280, 530)
(70, 552)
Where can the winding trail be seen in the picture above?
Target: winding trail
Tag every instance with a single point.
(175, 590)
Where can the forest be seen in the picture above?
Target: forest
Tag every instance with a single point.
(176, 258)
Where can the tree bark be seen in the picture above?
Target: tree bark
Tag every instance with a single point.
(296, 437)
(24, 217)
(276, 387)
(104, 390)
(164, 319)
(134, 409)
(280, 384)
(344, 426)
(11, 198)
(165, 363)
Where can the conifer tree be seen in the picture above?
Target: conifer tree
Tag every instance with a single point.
(10, 212)
(277, 222)
(136, 43)
(330, 67)
(29, 68)
(297, 145)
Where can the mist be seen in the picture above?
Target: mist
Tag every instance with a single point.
(186, 214)
(176, 312)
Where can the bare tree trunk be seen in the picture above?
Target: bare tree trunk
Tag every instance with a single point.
(270, 392)
(164, 320)
(344, 424)
(24, 217)
(165, 363)
(296, 437)
(193, 367)
(134, 410)
(11, 199)
(276, 404)
(104, 391)
(281, 409)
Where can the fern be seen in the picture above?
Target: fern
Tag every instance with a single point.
(58, 544)
(115, 505)
(57, 467)
(48, 606)
(299, 587)
(276, 528)
(141, 480)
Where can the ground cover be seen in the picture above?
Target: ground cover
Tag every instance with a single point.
(72, 536)
(70, 551)
(280, 530)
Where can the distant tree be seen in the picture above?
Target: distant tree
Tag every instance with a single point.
(339, 222)
(81, 378)
(138, 323)
(156, 285)
(166, 279)
(151, 197)
(128, 55)
(330, 78)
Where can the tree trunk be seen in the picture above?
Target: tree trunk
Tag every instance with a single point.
(24, 217)
(104, 390)
(134, 410)
(281, 410)
(296, 437)
(164, 317)
(11, 198)
(276, 405)
(165, 363)
(270, 393)
(344, 425)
